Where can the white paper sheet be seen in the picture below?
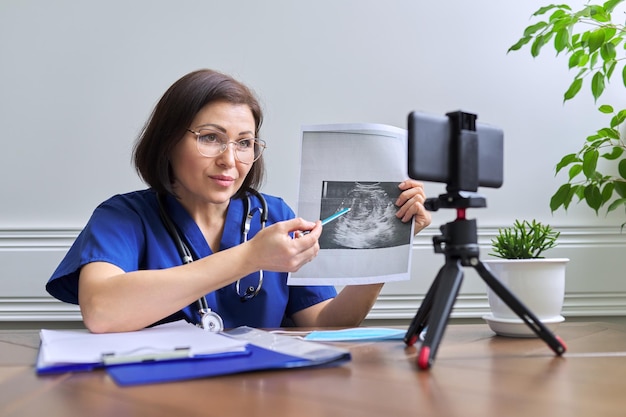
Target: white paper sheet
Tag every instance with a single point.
(71, 346)
(357, 166)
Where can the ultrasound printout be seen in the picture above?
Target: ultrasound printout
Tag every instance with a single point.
(356, 167)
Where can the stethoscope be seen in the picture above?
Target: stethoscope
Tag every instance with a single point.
(210, 320)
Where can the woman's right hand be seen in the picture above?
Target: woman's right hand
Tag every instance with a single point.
(282, 247)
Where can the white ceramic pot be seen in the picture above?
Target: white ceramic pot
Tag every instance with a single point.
(537, 283)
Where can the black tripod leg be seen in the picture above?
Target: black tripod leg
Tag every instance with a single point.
(421, 317)
(449, 282)
(555, 343)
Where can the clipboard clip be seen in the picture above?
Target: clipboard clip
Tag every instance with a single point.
(144, 355)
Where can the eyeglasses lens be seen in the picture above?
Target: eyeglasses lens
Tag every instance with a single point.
(212, 143)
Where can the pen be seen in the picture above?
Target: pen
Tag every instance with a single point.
(327, 220)
(335, 216)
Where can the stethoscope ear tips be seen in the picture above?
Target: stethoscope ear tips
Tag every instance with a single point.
(250, 293)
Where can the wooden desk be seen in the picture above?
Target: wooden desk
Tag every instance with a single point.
(475, 374)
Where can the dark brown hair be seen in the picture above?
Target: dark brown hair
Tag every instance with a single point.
(171, 117)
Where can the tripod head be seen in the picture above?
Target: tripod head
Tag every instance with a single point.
(456, 200)
(458, 238)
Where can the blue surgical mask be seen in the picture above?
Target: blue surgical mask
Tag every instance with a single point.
(354, 334)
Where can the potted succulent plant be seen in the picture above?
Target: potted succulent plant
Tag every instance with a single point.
(536, 281)
(525, 240)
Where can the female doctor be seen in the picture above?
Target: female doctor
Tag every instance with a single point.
(199, 153)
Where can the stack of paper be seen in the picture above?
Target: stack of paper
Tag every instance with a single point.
(77, 350)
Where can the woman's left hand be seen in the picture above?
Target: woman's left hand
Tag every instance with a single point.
(411, 204)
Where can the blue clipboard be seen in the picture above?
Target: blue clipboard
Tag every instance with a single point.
(85, 367)
(256, 359)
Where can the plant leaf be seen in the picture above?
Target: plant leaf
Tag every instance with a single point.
(545, 9)
(615, 204)
(561, 40)
(621, 168)
(609, 33)
(523, 41)
(610, 5)
(594, 137)
(573, 89)
(532, 29)
(618, 119)
(615, 153)
(575, 170)
(590, 162)
(579, 191)
(598, 14)
(606, 109)
(607, 192)
(596, 40)
(540, 41)
(565, 161)
(578, 58)
(593, 197)
(607, 51)
(609, 67)
(593, 59)
(561, 197)
(620, 188)
(607, 132)
(597, 85)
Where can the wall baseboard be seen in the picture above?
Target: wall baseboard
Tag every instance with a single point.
(475, 306)
(37, 309)
(595, 284)
(387, 307)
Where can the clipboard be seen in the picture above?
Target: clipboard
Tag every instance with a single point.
(108, 362)
(266, 351)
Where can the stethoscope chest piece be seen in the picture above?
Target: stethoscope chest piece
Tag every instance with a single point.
(211, 321)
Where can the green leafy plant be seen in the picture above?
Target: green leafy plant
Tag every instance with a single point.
(525, 240)
(596, 48)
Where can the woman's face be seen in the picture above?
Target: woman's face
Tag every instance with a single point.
(199, 179)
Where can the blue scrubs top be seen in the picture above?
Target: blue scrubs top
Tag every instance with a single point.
(126, 231)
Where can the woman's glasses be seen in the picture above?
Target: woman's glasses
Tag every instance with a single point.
(211, 143)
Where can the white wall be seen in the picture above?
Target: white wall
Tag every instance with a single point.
(78, 79)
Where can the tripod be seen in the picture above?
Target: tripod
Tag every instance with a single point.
(458, 242)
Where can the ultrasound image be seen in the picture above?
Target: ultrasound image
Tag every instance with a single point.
(371, 222)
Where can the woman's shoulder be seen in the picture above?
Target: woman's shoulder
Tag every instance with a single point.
(139, 199)
(130, 207)
(274, 200)
(278, 208)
